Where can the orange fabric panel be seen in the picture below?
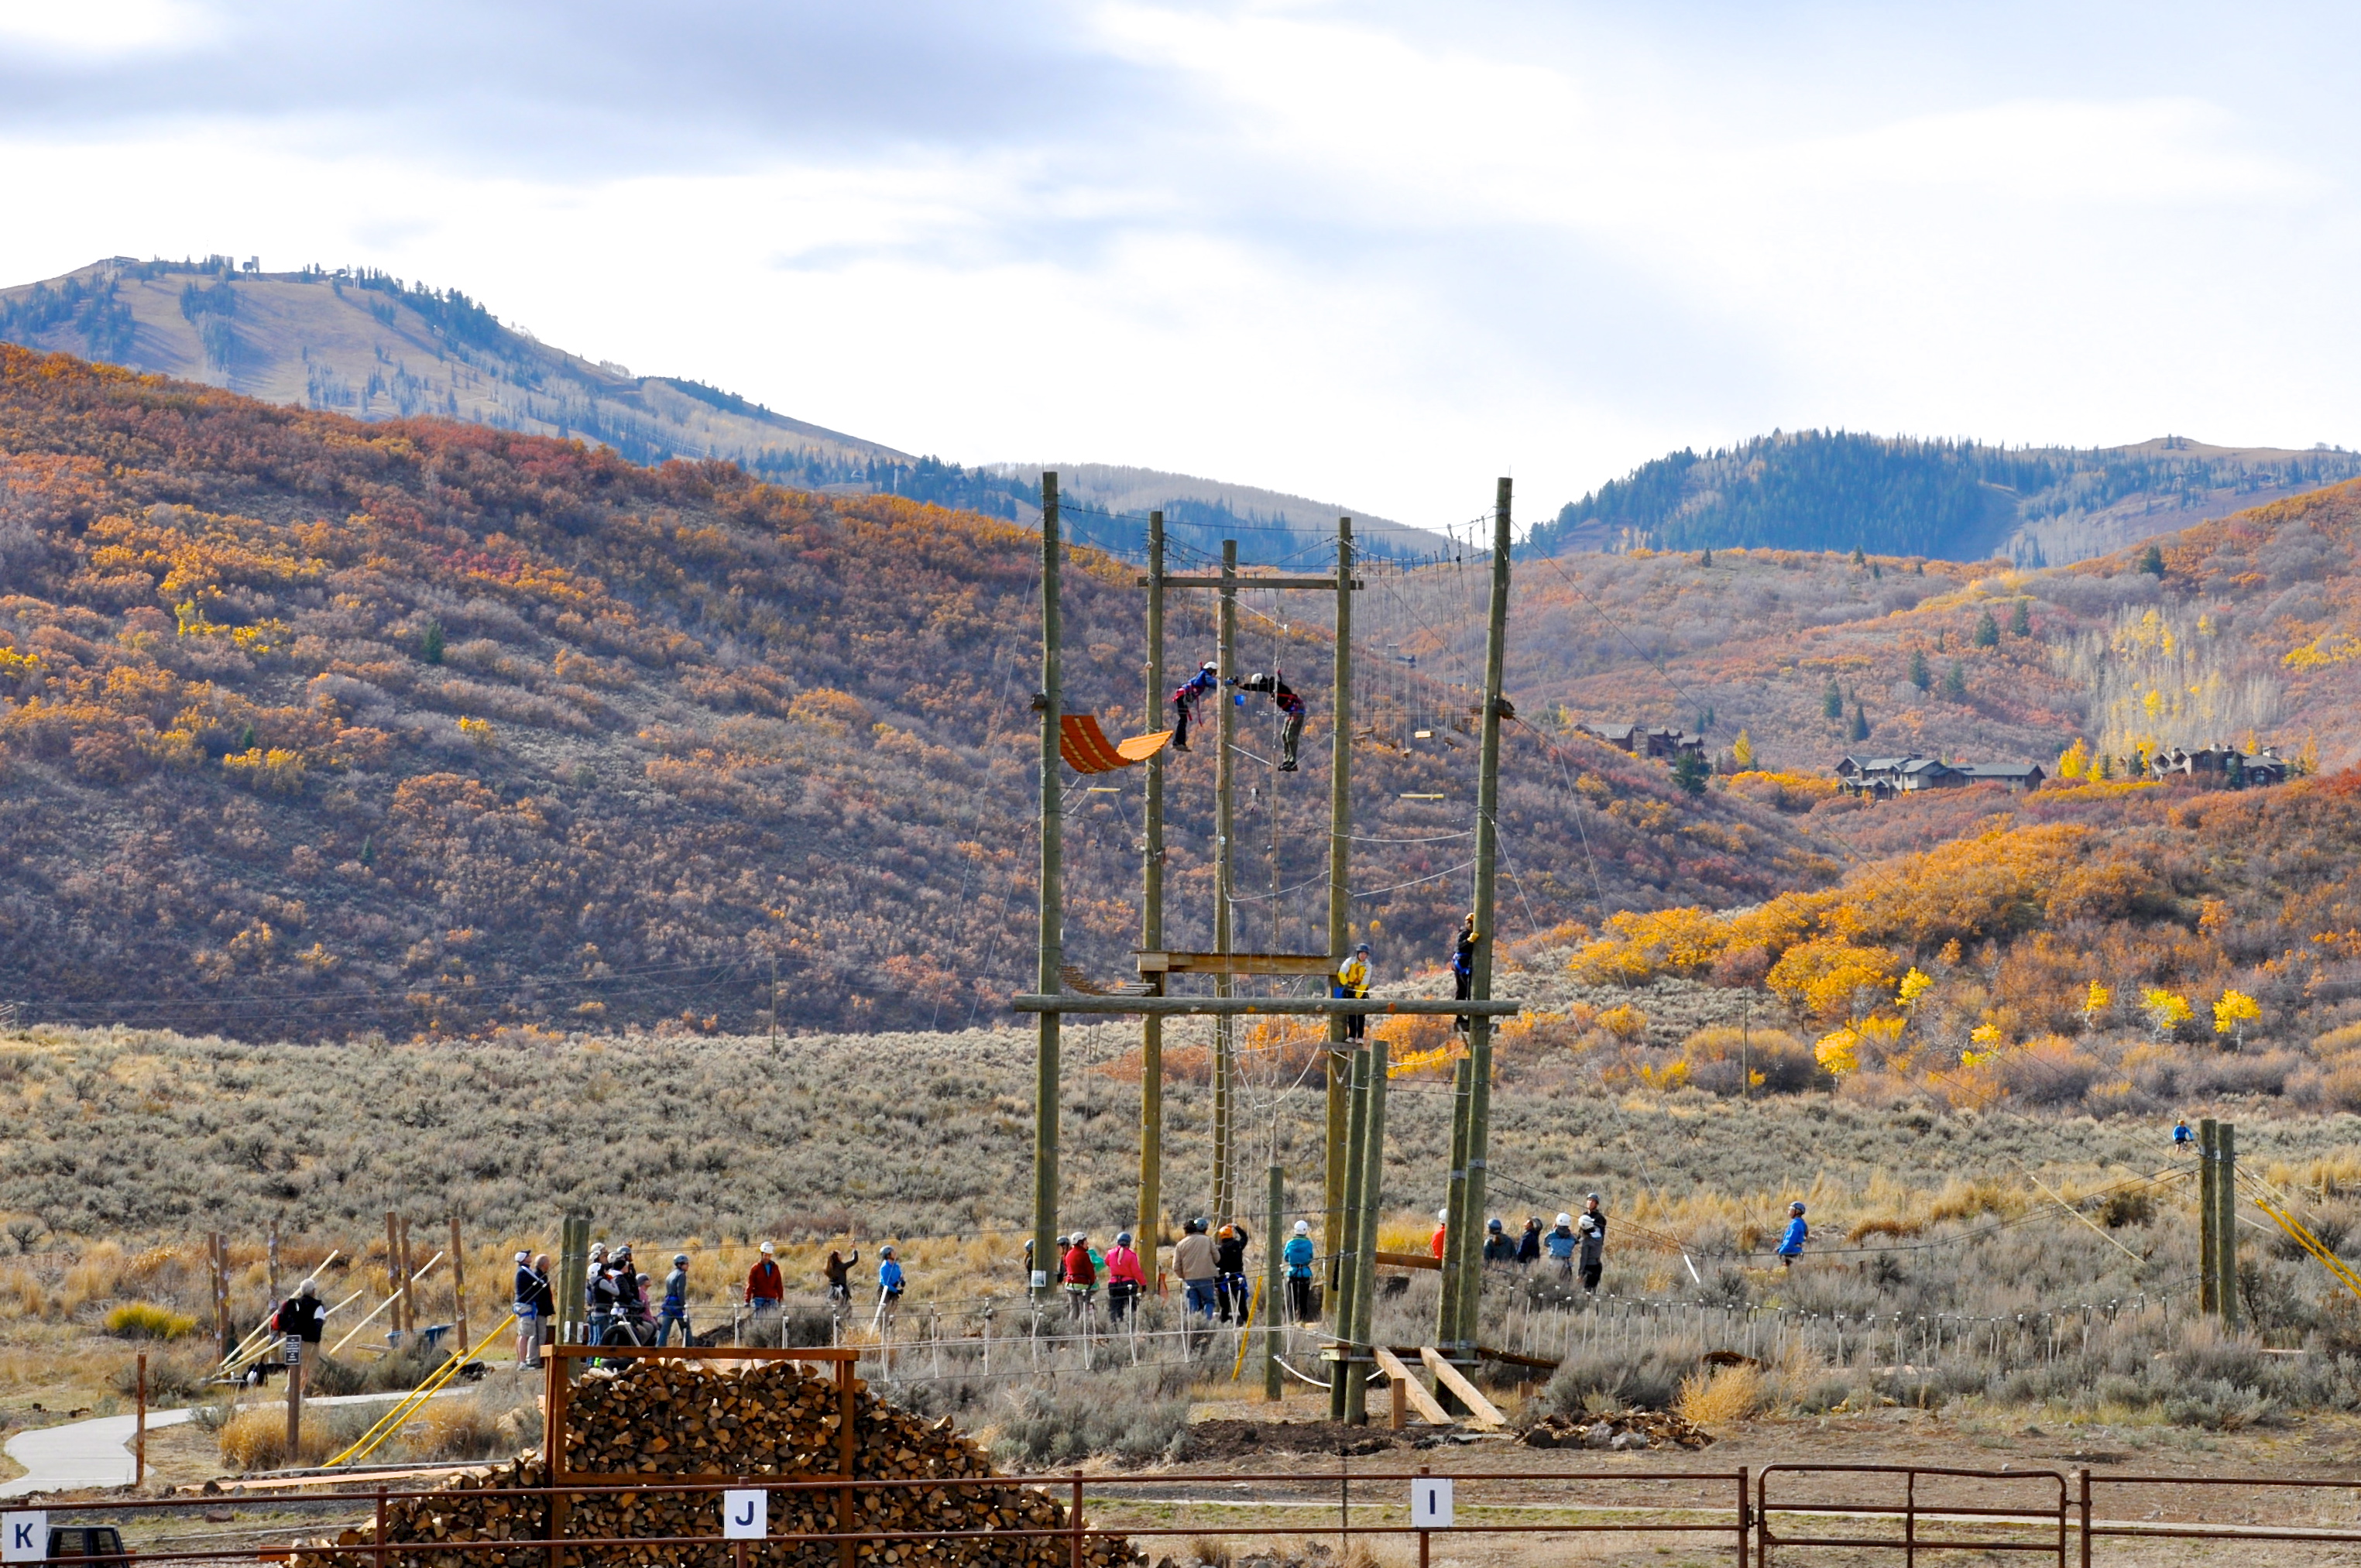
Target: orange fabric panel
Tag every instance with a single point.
(1086, 749)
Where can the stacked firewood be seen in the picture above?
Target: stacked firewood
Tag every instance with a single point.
(661, 1419)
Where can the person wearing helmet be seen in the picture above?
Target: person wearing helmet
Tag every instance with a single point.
(1193, 1260)
(1206, 681)
(1442, 1232)
(1498, 1247)
(1298, 1257)
(1081, 1273)
(633, 1322)
(1463, 968)
(765, 1289)
(890, 1286)
(676, 1302)
(1592, 1228)
(839, 1270)
(1560, 1245)
(1351, 983)
(1127, 1281)
(1291, 707)
(1791, 1245)
(1528, 1246)
(1231, 1292)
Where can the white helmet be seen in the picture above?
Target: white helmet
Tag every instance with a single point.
(1302, 1227)
(1443, 1215)
(1566, 1219)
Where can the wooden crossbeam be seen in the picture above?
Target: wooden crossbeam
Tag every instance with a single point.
(1408, 1260)
(1486, 1413)
(1242, 1007)
(1237, 963)
(1326, 585)
(1413, 1389)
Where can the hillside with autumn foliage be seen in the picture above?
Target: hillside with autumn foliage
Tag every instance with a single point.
(313, 728)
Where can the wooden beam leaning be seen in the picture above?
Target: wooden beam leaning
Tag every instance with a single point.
(1246, 1006)
(1485, 1412)
(1419, 1399)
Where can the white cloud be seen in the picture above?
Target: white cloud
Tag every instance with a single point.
(87, 28)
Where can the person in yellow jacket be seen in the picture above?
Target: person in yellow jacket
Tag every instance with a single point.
(1351, 982)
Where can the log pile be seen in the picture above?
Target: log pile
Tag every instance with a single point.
(665, 1420)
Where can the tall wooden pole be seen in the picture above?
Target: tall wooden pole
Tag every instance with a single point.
(1488, 848)
(218, 1247)
(1273, 1311)
(2226, 1222)
(1340, 910)
(1345, 1290)
(1224, 1041)
(397, 1277)
(458, 1287)
(1151, 930)
(1046, 977)
(1457, 1229)
(2209, 1176)
(408, 1308)
(1365, 1241)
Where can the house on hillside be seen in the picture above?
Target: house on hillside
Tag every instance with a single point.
(1882, 777)
(2017, 775)
(1643, 742)
(2220, 763)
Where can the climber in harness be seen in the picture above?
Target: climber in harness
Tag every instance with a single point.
(1351, 983)
(1283, 697)
(1204, 682)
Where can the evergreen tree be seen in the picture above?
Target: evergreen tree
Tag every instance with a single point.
(2020, 622)
(1987, 630)
(2151, 561)
(1920, 676)
(1689, 772)
(430, 644)
(1859, 729)
(1859, 558)
(1832, 701)
(1955, 682)
(1705, 558)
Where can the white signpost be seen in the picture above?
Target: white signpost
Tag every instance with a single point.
(25, 1537)
(745, 1516)
(1430, 1502)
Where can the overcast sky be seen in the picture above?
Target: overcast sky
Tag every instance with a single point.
(1372, 253)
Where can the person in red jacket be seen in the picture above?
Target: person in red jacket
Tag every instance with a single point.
(1441, 1222)
(1081, 1277)
(1127, 1281)
(765, 1290)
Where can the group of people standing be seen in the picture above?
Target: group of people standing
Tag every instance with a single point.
(1575, 1246)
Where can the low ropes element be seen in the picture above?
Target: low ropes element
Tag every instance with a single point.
(262, 1338)
(381, 1305)
(1086, 750)
(372, 1439)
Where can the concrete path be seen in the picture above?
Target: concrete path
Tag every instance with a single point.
(97, 1452)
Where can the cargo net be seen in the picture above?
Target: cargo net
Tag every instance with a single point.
(683, 1419)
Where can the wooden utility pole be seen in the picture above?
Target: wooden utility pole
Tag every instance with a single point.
(218, 1246)
(1224, 813)
(1457, 1232)
(397, 1278)
(1345, 1290)
(2209, 1177)
(1365, 1240)
(458, 1287)
(1457, 1339)
(1272, 1292)
(573, 1285)
(1052, 937)
(1340, 917)
(1151, 933)
(2225, 1223)
(409, 1298)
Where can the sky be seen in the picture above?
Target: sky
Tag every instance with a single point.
(1376, 254)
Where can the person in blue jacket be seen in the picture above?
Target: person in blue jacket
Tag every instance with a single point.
(889, 1284)
(1184, 702)
(2180, 1138)
(1560, 1245)
(1297, 1255)
(1791, 1245)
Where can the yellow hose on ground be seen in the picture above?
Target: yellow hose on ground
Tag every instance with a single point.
(371, 1440)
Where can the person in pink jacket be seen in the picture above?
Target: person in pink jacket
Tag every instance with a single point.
(1125, 1280)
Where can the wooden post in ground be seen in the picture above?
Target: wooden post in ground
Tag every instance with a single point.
(1146, 1241)
(396, 1277)
(573, 1279)
(2226, 1222)
(1348, 1275)
(458, 1287)
(139, 1429)
(1224, 823)
(2209, 1176)
(1052, 931)
(1340, 918)
(270, 1265)
(295, 1370)
(1365, 1279)
(218, 1247)
(1461, 1343)
(1274, 1312)
(409, 1300)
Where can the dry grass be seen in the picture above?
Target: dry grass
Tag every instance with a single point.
(1721, 1396)
(255, 1437)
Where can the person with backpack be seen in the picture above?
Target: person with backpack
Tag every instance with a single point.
(676, 1302)
(1560, 1245)
(1791, 1245)
(1298, 1257)
(303, 1317)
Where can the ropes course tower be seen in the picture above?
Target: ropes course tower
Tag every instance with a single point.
(1355, 1072)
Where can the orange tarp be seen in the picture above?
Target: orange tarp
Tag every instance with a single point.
(1086, 749)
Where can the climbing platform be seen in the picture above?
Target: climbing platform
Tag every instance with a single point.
(1086, 749)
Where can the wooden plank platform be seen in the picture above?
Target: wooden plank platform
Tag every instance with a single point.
(1237, 963)
(1243, 1006)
